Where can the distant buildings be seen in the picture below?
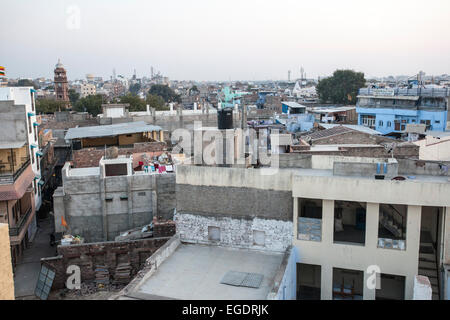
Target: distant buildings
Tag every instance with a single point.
(390, 110)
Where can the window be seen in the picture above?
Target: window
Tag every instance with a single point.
(32, 156)
(368, 121)
(29, 125)
(380, 123)
(259, 238)
(32, 102)
(389, 124)
(349, 222)
(309, 227)
(392, 226)
(214, 233)
(437, 121)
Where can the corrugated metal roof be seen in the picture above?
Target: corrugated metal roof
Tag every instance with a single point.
(110, 130)
(292, 104)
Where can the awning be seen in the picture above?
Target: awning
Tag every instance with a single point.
(33, 146)
(39, 154)
(41, 182)
(31, 114)
(36, 124)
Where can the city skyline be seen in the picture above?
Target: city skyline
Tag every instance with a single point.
(212, 41)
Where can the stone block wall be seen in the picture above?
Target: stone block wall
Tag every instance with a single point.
(235, 232)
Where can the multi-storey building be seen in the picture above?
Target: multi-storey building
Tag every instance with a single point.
(349, 220)
(18, 181)
(390, 110)
(23, 99)
(87, 89)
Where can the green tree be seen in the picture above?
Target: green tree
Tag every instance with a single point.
(342, 87)
(73, 96)
(91, 104)
(134, 88)
(156, 102)
(26, 83)
(136, 103)
(49, 106)
(165, 92)
(194, 90)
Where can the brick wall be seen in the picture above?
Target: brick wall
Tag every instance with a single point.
(110, 254)
(6, 275)
(89, 157)
(163, 228)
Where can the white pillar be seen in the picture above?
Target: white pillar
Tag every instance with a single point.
(195, 106)
(148, 109)
(171, 106)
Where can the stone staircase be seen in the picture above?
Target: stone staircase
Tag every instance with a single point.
(428, 266)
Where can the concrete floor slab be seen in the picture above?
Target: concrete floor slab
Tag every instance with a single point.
(195, 272)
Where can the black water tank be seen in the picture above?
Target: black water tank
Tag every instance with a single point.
(225, 118)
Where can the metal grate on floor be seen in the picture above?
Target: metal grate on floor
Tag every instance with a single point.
(242, 279)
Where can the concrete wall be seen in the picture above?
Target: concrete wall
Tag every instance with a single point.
(100, 209)
(6, 274)
(285, 282)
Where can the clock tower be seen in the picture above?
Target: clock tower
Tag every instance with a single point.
(61, 85)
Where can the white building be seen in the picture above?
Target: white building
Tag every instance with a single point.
(87, 89)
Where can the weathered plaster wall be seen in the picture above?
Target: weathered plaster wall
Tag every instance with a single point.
(235, 232)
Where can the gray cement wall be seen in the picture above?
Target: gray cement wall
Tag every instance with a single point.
(234, 201)
(99, 209)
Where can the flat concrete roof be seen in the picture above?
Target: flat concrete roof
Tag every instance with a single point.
(194, 272)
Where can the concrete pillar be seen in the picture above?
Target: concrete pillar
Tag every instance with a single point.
(446, 221)
(148, 109)
(155, 137)
(103, 202)
(195, 106)
(368, 293)
(326, 277)
(372, 217)
(171, 106)
(414, 216)
(161, 136)
(130, 202)
(327, 222)
(327, 239)
(295, 215)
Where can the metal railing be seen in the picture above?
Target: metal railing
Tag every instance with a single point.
(421, 92)
(10, 178)
(15, 231)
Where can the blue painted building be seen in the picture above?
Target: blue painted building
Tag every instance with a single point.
(390, 110)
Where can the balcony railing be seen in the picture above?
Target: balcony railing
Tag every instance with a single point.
(15, 231)
(10, 178)
(421, 92)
